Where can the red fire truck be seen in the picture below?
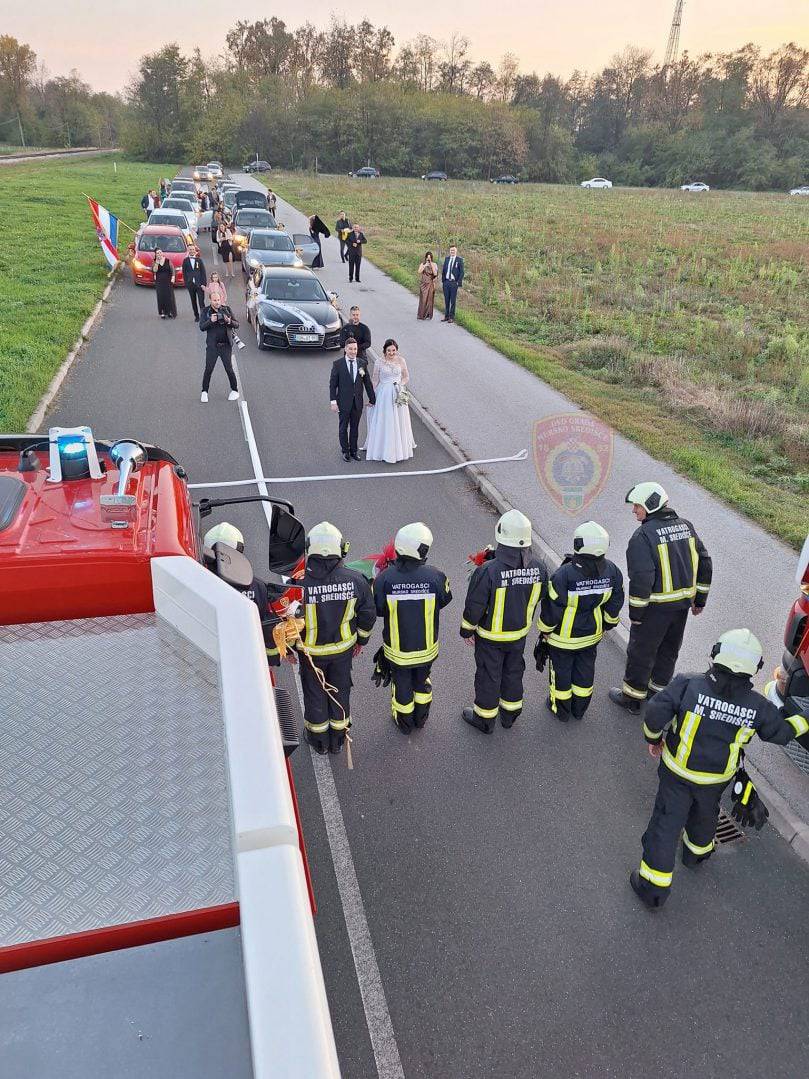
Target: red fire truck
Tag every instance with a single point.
(151, 799)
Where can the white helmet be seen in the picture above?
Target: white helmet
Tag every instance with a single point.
(740, 651)
(513, 530)
(591, 538)
(413, 540)
(649, 495)
(324, 539)
(224, 533)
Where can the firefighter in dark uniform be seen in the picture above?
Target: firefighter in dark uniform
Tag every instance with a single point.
(699, 726)
(501, 599)
(582, 602)
(257, 592)
(669, 574)
(409, 595)
(339, 614)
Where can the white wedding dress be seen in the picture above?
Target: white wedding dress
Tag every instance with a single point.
(390, 435)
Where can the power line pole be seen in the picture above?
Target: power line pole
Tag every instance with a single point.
(22, 136)
(674, 35)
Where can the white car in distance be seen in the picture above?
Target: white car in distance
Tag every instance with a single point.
(190, 207)
(803, 190)
(695, 187)
(215, 170)
(597, 181)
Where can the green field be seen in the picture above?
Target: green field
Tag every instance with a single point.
(52, 272)
(682, 320)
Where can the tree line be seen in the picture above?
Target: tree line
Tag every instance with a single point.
(346, 96)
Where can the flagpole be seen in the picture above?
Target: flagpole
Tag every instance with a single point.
(120, 222)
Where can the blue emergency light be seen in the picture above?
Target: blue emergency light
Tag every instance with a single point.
(72, 454)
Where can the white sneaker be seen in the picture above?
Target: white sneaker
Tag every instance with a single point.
(204, 397)
(233, 395)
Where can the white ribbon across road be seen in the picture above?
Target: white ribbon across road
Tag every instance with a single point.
(521, 456)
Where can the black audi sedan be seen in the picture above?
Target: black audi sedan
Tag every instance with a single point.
(295, 311)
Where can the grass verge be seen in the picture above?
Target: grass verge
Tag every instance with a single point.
(679, 320)
(52, 272)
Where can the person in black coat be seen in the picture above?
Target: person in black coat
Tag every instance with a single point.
(356, 238)
(195, 278)
(343, 227)
(316, 230)
(218, 321)
(348, 382)
(451, 280)
(358, 330)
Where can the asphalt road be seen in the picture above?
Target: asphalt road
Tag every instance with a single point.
(493, 870)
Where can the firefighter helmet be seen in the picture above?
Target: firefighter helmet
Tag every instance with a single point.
(513, 530)
(413, 540)
(225, 533)
(326, 540)
(591, 538)
(739, 651)
(649, 495)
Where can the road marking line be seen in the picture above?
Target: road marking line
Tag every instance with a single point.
(369, 979)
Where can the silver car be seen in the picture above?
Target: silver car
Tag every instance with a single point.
(269, 247)
(306, 247)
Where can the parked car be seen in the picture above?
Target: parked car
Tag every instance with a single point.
(169, 239)
(306, 247)
(695, 187)
(294, 311)
(597, 181)
(229, 200)
(436, 174)
(245, 221)
(504, 180)
(800, 190)
(201, 173)
(256, 166)
(179, 218)
(188, 205)
(269, 247)
(215, 170)
(245, 197)
(366, 173)
(180, 184)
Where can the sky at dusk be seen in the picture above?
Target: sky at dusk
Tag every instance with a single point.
(546, 35)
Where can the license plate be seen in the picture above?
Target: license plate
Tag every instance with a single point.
(306, 337)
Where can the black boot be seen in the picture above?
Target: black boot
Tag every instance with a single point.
(617, 696)
(402, 726)
(650, 902)
(691, 860)
(560, 712)
(318, 742)
(507, 719)
(474, 720)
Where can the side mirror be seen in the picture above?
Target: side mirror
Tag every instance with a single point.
(232, 567)
(287, 541)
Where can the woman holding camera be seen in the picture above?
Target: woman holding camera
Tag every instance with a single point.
(164, 277)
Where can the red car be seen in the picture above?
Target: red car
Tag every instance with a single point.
(791, 684)
(167, 238)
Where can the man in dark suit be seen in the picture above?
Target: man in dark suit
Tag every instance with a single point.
(195, 277)
(451, 280)
(349, 380)
(356, 238)
(342, 228)
(358, 330)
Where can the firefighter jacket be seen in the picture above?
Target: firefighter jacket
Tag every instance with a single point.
(667, 564)
(710, 719)
(502, 596)
(258, 593)
(409, 596)
(583, 599)
(338, 607)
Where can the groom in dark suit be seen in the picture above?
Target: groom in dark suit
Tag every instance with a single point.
(451, 280)
(349, 378)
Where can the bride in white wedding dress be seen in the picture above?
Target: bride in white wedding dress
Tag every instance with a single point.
(390, 435)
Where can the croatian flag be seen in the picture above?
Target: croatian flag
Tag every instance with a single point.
(107, 230)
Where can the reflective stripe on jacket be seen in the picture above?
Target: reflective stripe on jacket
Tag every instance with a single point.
(409, 596)
(502, 596)
(667, 563)
(338, 608)
(584, 597)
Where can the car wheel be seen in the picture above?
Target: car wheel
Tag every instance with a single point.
(259, 340)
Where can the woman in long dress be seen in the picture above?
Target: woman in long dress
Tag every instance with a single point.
(428, 271)
(164, 285)
(390, 434)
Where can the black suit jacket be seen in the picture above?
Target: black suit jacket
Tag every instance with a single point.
(457, 270)
(362, 335)
(198, 277)
(217, 339)
(341, 389)
(354, 243)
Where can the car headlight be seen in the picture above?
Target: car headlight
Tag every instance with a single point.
(138, 265)
(274, 325)
(333, 325)
(254, 263)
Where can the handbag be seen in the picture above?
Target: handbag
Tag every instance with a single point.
(402, 398)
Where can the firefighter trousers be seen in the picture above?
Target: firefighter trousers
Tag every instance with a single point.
(571, 674)
(411, 695)
(324, 722)
(499, 670)
(654, 645)
(684, 807)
